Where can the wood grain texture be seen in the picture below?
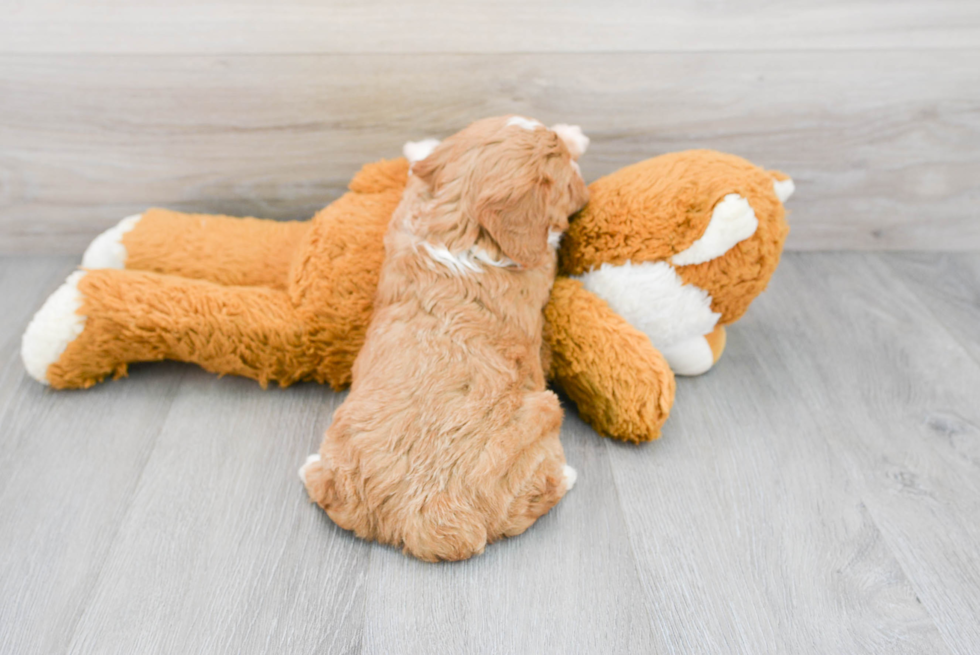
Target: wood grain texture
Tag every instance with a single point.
(567, 585)
(949, 285)
(818, 491)
(221, 550)
(68, 466)
(894, 395)
(884, 146)
(750, 535)
(311, 26)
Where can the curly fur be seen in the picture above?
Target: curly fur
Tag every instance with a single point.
(449, 439)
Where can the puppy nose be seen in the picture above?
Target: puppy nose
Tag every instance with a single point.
(576, 142)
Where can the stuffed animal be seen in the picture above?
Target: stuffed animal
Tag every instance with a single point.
(665, 254)
(677, 247)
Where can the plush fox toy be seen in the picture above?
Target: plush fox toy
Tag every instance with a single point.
(667, 252)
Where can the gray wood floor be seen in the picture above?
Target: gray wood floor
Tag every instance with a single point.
(818, 492)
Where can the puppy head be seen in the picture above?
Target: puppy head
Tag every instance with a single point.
(513, 180)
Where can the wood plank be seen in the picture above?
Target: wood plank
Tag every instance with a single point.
(884, 146)
(69, 463)
(750, 533)
(949, 285)
(567, 585)
(24, 284)
(221, 550)
(885, 384)
(307, 26)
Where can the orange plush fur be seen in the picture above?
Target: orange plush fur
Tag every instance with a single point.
(291, 301)
(269, 300)
(449, 439)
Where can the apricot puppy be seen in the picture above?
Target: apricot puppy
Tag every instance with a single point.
(449, 439)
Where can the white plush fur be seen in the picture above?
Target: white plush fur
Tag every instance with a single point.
(554, 239)
(576, 142)
(570, 475)
(732, 220)
(467, 261)
(783, 188)
(418, 150)
(53, 327)
(315, 457)
(689, 357)
(526, 123)
(107, 249)
(654, 299)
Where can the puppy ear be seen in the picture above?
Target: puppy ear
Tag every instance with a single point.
(576, 142)
(516, 217)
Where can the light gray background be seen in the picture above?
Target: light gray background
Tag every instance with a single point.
(818, 492)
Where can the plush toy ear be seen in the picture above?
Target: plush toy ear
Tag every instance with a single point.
(783, 185)
(516, 217)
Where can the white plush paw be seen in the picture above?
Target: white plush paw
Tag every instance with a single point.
(53, 327)
(315, 457)
(107, 249)
(691, 356)
(575, 140)
(418, 150)
(732, 220)
(570, 475)
(528, 124)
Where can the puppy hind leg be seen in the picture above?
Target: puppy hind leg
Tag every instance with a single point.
(540, 492)
(318, 478)
(539, 475)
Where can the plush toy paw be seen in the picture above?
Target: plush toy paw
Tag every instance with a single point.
(416, 151)
(653, 298)
(107, 249)
(53, 327)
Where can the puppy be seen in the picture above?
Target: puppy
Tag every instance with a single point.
(448, 439)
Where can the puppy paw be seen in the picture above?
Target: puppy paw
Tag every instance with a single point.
(310, 461)
(107, 249)
(53, 327)
(570, 475)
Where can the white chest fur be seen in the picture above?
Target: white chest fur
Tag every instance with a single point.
(653, 299)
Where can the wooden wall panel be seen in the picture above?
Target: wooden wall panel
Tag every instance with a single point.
(505, 26)
(885, 146)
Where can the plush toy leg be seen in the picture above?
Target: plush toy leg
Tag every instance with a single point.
(698, 354)
(716, 341)
(621, 384)
(220, 249)
(102, 320)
